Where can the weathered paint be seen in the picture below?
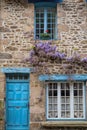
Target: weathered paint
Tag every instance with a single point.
(15, 70)
(17, 104)
(82, 77)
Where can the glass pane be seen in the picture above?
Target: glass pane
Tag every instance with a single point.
(50, 107)
(80, 107)
(75, 86)
(26, 77)
(75, 93)
(50, 100)
(63, 100)
(42, 15)
(67, 86)
(41, 31)
(50, 85)
(20, 77)
(55, 107)
(67, 100)
(42, 26)
(67, 114)
(56, 114)
(63, 107)
(62, 86)
(55, 93)
(37, 31)
(80, 100)
(37, 15)
(80, 85)
(80, 92)
(63, 114)
(80, 114)
(67, 93)
(67, 107)
(62, 93)
(37, 20)
(37, 36)
(50, 114)
(55, 85)
(49, 26)
(50, 92)
(76, 100)
(76, 114)
(75, 107)
(55, 100)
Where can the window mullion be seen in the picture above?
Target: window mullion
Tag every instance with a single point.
(47, 101)
(71, 101)
(45, 20)
(83, 101)
(59, 101)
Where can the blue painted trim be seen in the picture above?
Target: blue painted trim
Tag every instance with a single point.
(85, 100)
(16, 70)
(79, 77)
(36, 1)
(45, 4)
(45, 20)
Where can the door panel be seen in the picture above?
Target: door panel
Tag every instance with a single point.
(17, 100)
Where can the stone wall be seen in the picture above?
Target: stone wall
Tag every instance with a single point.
(17, 30)
(2, 97)
(17, 38)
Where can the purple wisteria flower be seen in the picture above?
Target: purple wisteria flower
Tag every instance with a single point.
(84, 60)
(45, 52)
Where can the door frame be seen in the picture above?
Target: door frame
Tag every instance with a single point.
(10, 70)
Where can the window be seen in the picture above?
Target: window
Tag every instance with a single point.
(65, 100)
(45, 20)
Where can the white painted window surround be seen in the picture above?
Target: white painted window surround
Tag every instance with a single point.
(65, 100)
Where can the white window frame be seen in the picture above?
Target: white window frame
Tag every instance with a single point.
(71, 102)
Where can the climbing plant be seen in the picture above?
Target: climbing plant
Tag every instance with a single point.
(44, 54)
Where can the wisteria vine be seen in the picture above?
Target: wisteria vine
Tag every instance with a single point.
(43, 54)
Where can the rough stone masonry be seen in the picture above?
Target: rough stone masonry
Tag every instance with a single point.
(17, 39)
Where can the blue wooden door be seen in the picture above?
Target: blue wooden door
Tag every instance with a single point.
(17, 102)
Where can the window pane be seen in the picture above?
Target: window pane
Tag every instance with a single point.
(55, 93)
(78, 100)
(75, 92)
(46, 16)
(62, 93)
(67, 93)
(80, 92)
(50, 92)
(65, 100)
(53, 106)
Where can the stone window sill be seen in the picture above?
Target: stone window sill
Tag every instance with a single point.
(64, 124)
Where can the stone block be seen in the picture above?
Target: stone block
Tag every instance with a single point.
(35, 126)
(63, 28)
(3, 29)
(11, 48)
(61, 14)
(5, 56)
(84, 27)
